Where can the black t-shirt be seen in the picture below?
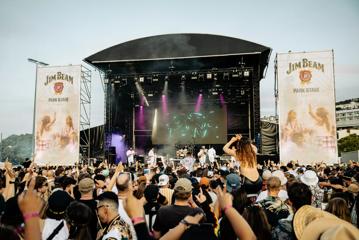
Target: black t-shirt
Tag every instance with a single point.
(93, 222)
(169, 217)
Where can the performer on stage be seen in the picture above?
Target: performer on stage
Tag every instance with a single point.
(130, 156)
(211, 155)
(151, 157)
(188, 161)
(202, 155)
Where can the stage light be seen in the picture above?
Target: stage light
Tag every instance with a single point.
(142, 79)
(155, 78)
(235, 74)
(194, 76)
(246, 73)
(198, 103)
(150, 95)
(183, 78)
(165, 88)
(154, 124)
(209, 75)
(214, 93)
(226, 76)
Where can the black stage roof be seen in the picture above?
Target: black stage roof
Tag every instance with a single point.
(179, 52)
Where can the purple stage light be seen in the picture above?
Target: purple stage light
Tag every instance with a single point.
(221, 100)
(198, 103)
(141, 118)
(164, 105)
(118, 141)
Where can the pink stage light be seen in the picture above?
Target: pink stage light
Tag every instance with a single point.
(198, 103)
(164, 105)
(221, 100)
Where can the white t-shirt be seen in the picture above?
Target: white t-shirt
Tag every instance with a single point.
(130, 156)
(211, 154)
(188, 162)
(283, 195)
(50, 225)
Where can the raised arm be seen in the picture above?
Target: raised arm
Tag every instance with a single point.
(239, 224)
(227, 148)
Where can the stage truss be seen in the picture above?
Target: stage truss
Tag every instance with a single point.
(85, 112)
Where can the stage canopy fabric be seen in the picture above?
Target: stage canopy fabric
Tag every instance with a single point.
(131, 56)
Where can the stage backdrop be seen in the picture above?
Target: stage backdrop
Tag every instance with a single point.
(307, 107)
(57, 115)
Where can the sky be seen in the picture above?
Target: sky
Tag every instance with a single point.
(62, 32)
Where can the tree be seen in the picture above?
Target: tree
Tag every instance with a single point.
(349, 143)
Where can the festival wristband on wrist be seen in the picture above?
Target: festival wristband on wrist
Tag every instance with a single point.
(137, 220)
(28, 216)
(226, 208)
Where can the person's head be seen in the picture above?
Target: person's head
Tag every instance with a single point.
(57, 204)
(86, 186)
(8, 233)
(257, 219)
(292, 115)
(245, 152)
(183, 189)
(338, 206)
(107, 207)
(240, 200)
(273, 186)
(69, 121)
(100, 181)
(163, 181)
(123, 183)
(299, 195)
(151, 193)
(233, 182)
(67, 183)
(41, 185)
(78, 216)
(289, 166)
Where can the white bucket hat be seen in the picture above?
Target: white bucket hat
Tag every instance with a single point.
(279, 174)
(309, 178)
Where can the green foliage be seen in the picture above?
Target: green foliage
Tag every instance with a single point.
(349, 143)
(16, 148)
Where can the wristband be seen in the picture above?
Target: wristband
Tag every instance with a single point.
(28, 216)
(136, 220)
(226, 208)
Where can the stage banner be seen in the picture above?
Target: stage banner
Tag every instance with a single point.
(57, 115)
(306, 102)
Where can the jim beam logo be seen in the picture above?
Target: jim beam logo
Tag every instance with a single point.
(305, 75)
(58, 79)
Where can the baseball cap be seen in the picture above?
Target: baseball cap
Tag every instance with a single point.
(183, 185)
(163, 180)
(233, 182)
(204, 181)
(86, 185)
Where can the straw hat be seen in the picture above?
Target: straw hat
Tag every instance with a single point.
(330, 229)
(305, 215)
(353, 188)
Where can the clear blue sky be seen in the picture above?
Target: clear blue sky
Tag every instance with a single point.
(62, 32)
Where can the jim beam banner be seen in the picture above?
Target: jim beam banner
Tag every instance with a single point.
(307, 119)
(57, 115)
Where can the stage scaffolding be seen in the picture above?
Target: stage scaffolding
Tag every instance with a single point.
(85, 112)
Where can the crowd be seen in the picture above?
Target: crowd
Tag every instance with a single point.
(241, 200)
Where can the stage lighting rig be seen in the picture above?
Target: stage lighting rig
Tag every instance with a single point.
(246, 73)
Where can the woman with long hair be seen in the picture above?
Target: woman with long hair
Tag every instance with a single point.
(257, 219)
(338, 206)
(245, 153)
